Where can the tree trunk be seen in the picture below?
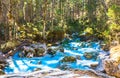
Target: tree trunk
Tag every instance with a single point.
(44, 18)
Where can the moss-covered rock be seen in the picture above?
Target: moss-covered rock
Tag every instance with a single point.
(10, 45)
(69, 59)
(91, 55)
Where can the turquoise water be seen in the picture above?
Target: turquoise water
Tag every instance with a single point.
(75, 48)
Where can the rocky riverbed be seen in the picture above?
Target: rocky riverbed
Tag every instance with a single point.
(76, 58)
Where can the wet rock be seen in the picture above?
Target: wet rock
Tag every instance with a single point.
(27, 51)
(29, 55)
(37, 69)
(64, 67)
(78, 57)
(2, 66)
(51, 51)
(100, 66)
(10, 53)
(112, 64)
(61, 49)
(21, 54)
(94, 65)
(3, 61)
(91, 55)
(69, 59)
(105, 47)
(39, 62)
(38, 45)
(2, 72)
(40, 51)
(82, 45)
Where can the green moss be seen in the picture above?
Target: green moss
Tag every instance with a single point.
(9, 45)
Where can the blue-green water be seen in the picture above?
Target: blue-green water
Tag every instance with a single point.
(73, 48)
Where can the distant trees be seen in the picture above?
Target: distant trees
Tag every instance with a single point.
(28, 18)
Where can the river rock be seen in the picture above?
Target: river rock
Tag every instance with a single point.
(2, 66)
(40, 51)
(21, 54)
(64, 67)
(37, 69)
(91, 55)
(61, 49)
(51, 51)
(69, 59)
(2, 72)
(30, 55)
(112, 65)
(115, 53)
(105, 47)
(78, 57)
(94, 65)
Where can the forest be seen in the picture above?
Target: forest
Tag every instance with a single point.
(81, 36)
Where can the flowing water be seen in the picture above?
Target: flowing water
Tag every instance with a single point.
(73, 48)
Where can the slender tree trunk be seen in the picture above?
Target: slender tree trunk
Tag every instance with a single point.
(53, 14)
(44, 22)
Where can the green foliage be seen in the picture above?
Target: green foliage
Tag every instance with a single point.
(56, 35)
(53, 18)
(73, 25)
(30, 30)
(114, 16)
(88, 30)
(10, 45)
(114, 21)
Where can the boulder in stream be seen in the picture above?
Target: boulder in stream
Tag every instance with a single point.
(40, 51)
(51, 51)
(91, 55)
(69, 59)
